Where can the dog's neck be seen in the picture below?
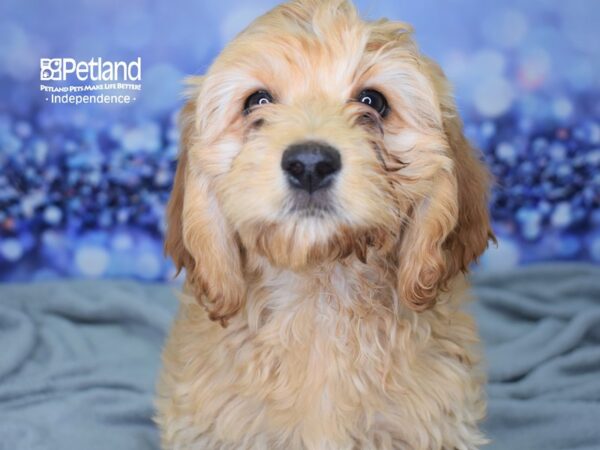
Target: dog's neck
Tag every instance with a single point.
(335, 292)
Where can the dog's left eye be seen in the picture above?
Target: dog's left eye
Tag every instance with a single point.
(375, 100)
(256, 99)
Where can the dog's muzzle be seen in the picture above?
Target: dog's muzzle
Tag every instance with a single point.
(311, 166)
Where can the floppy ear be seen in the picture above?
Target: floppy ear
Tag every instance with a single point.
(450, 227)
(198, 237)
(470, 237)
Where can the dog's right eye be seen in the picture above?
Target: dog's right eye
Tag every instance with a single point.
(256, 99)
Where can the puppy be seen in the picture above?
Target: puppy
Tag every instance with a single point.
(325, 208)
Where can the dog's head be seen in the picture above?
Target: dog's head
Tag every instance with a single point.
(316, 136)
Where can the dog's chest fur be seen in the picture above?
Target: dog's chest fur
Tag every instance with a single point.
(321, 361)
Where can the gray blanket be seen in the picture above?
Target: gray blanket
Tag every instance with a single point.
(78, 361)
(541, 329)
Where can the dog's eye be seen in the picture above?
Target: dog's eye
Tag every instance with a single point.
(375, 100)
(256, 99)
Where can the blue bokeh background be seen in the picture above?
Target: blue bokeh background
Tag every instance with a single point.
(83, 188)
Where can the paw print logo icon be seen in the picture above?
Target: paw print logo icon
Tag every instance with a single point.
(50, 69)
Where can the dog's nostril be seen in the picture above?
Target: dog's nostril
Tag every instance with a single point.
(295, 168)
(325, 168)
(311, 165)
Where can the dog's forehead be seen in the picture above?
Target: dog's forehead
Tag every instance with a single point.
(285, 57)
(317, 52)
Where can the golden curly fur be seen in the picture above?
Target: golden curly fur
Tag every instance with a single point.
(341, 329)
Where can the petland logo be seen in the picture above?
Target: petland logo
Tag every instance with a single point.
(93, 75)
(59, 69)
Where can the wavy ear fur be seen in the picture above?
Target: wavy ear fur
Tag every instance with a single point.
(198, 237)
(450, 228)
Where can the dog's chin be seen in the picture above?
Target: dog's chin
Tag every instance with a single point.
(310, 236)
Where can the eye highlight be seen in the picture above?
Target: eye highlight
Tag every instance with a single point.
(257, 98)
(375, 100)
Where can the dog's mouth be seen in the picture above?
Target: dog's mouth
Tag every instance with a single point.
(304, 204)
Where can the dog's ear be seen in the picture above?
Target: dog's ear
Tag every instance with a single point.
(473, 231)
(198, 237)
(449, 228)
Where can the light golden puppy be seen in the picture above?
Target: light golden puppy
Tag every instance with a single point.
(325, 208)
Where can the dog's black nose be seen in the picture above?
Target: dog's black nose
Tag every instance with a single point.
(311, 165)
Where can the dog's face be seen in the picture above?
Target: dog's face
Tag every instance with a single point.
(315, 137)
